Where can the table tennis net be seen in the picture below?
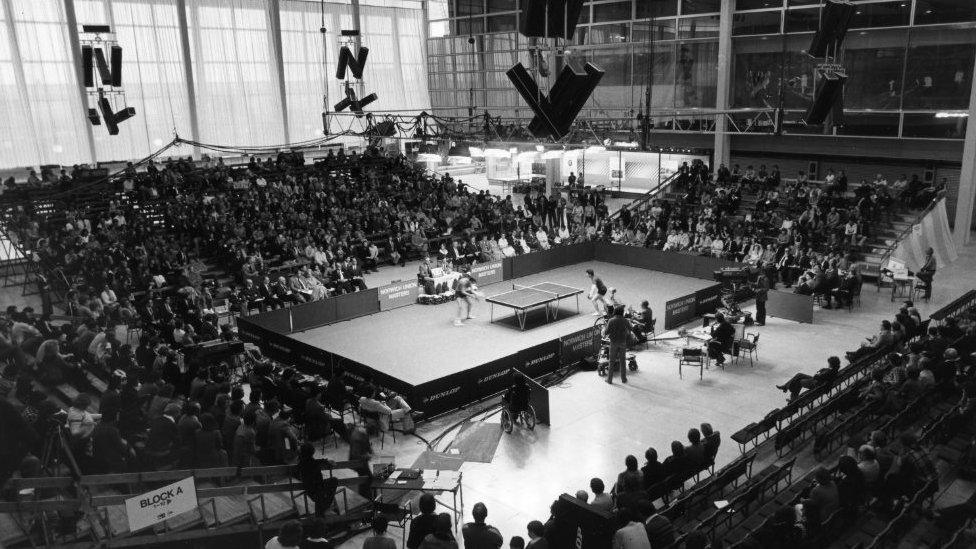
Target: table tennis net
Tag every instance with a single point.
(516, 287)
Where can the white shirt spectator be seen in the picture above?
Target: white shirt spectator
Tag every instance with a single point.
(21, 331)
(631, 536)
(108, 297)
(718, 246)
(543, 238)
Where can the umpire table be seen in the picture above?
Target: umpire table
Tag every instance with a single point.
(524, 298)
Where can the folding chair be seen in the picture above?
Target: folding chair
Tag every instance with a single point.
(397, 515)
(133, 327)
(748, 344)
(692, 357)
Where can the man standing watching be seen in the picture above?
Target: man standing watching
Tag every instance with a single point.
(617, 330)
(927, 272)
(762, 294)
(477, 534)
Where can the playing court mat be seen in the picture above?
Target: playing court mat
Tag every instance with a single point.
(419, 343)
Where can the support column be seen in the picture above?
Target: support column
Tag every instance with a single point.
(357, 25)
(75, 43)
(274, 17)
(967, 177)
(191, 91)
(722, 138)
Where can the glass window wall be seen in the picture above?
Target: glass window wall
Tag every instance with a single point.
(906, 60)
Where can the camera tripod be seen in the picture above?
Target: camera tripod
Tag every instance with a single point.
(56, 452)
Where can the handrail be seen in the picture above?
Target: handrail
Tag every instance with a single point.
(649, 195)
(904, 232)
(222, 473)
(962, 302)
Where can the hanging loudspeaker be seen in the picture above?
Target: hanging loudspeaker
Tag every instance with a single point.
(86, 66)
(116, 60)
(367, 100)
(834, 20)
(112, 119)
(103, 71)
(831, 92)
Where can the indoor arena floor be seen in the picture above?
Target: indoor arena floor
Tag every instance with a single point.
(595, 425)
(420, 343)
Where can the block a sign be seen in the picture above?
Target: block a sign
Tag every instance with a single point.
(160, 504)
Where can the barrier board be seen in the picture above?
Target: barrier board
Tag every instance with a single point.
(488, 273)
(707, 300)
(313, 314)
(575, 346)
(356, 304)
(795, 307)
(679, 311)
(398, 294)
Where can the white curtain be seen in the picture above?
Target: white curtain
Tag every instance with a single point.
(238, 102)
(395, 70)
(55, 116)
(18, 145)
(236, 80)
(306, 75)
(931, 232)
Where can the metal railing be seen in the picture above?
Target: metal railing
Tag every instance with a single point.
(958, 305)
(637, 204)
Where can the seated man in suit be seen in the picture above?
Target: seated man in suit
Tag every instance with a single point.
(338, 282)
(352, 271)
(250, 296)
(283, 292)
(882, 340)
(802, 381)
(456, 253)
(721, 342)
(299, 289)
(844, 291)
(472, 253)
(267, 293)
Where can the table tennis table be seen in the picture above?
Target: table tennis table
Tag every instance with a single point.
(524, 298)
